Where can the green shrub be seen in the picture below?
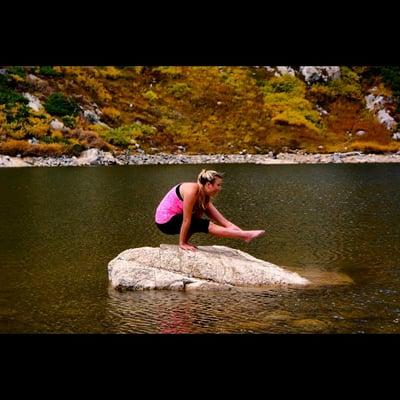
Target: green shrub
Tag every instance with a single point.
(48, 139)
(69, 121)
(61, 105)
(285, 103)
(179, 90)
(348, 86)
(75, 149)
(48, 71)
(145, 129)
(170, 71)
(18, 113)
(124, 135)
(110, 72)
(121, 136)
(8, 95)
(150, 95)
(285, 84)
(55, 137)
(22, 113)
(16, 71)
(296, 118)
(391, 77)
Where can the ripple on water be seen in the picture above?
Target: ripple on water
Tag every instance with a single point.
(325, 220)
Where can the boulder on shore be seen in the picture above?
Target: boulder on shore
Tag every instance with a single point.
(209, 267)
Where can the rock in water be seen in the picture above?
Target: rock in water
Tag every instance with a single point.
(209, 267)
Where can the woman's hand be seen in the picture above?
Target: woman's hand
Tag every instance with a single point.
(187, 246)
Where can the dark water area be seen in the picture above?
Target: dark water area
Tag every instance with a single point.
(61, 226)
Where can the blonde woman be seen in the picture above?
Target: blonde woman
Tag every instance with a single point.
(180, 212)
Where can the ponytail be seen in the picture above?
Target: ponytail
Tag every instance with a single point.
(204, 177)
(208, 175)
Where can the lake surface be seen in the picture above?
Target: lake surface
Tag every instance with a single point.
(61, 226)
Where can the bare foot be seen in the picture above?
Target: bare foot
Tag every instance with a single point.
(253, 234)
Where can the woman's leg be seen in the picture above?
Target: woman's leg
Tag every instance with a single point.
(232, 233)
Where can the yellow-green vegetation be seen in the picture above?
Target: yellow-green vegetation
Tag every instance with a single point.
(125, 135)
(206, 109)
(285, 103)
(25, 149)
(348, 87)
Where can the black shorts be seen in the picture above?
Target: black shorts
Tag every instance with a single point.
(173, 226)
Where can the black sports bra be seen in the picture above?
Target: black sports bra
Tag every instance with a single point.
(178, 193)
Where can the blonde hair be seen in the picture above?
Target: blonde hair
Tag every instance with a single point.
(205, 176)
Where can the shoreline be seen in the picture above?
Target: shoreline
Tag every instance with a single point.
(93, 157)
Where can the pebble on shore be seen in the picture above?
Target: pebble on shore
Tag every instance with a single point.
(93, 157)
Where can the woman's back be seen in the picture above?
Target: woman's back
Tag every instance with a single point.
(172, 203)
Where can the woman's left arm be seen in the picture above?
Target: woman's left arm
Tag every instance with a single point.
(216, 216)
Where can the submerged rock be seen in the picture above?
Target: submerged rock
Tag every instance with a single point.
(209, 267)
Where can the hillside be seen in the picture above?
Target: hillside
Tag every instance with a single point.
(59, 110)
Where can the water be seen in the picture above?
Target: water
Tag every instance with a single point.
(61, 226)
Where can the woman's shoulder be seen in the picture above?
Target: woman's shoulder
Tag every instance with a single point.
(189, 187)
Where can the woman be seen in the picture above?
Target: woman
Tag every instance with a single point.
(181, 209)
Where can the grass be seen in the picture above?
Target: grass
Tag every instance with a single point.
(206, 109)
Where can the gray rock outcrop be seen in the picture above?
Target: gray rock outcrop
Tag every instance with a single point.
(285, 71)
(7, 161)
(311, 74)
(57, 125)
(376, 104)
(95, 157)
(386, 119)
(209, 267)
(91, 116)
(314, 74)
(34, 102)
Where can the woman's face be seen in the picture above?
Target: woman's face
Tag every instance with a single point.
(213, 188)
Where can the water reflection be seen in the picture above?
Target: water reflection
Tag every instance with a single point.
(178, 320)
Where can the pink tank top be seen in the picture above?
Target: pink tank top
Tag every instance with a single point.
(170, 205)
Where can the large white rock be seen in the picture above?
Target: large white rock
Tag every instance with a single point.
(34, 102)
(396, 136)
(374, 103)
(314, 74)
(7, 161)
(91, 117)
(209, 267)
(95, 157)
(57, 125)
(385, 119)
(285, 71)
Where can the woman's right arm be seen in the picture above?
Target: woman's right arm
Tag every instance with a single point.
(215, 215)
(188, 203)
